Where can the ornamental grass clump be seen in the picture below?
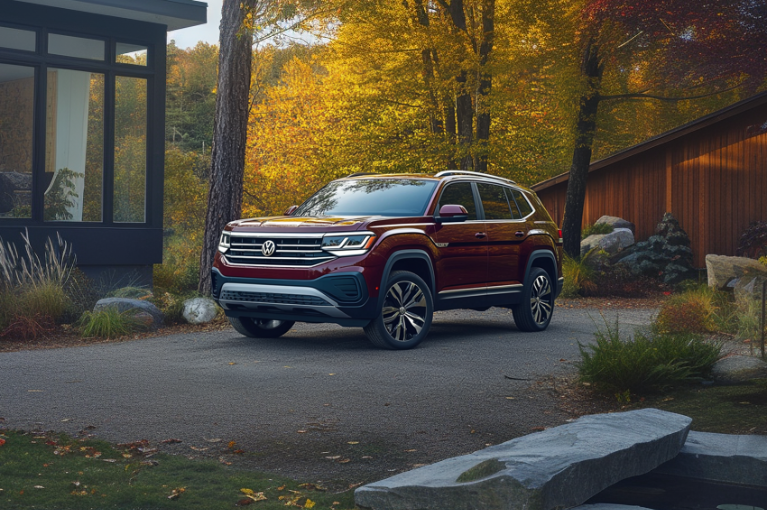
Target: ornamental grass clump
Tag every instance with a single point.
(32, 295)
(646, 362)
(596, 229)
(109, 323)
(579, 276)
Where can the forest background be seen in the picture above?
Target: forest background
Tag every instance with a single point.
(414, 86)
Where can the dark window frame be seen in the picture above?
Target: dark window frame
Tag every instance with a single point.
(96, 243)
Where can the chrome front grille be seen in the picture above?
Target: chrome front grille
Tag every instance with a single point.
(302, 250)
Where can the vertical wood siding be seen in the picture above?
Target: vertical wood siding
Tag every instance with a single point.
(713, 180)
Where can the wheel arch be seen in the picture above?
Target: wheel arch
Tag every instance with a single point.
(415, 261)
(544, 259)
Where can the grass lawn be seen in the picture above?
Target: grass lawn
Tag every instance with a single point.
(737, 409)
(55, 471)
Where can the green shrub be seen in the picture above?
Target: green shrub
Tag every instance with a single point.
(689, 312)
(109, 323)
(579, 277)
(131, 293)
(595, 229)
(647, 362)
(171, 306)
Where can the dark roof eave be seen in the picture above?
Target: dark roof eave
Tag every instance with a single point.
(650, 143)
(174, 14)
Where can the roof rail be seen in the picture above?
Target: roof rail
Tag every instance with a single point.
(361, 173)
(476, 174)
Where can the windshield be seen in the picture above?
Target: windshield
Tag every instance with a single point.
(370, 197)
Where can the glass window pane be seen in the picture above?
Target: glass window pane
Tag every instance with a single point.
(515, 214)
(15, 39)
(134, 54)
(74, 151)
(459, 194)
(494, 202)
(524, 206)
(17, 107)
(130, 150)
(79, 47)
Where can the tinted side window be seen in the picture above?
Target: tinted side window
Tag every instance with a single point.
(515, 214)
(459, 193)
(494, 202)
(522, 203)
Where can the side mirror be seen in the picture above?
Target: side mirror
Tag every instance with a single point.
(450, 213)
(290, 210)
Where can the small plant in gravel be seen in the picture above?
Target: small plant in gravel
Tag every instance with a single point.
(109, 323)
(646, 362)
(596, 229)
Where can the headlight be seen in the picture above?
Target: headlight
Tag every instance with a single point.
(223, 244)
(345, 245)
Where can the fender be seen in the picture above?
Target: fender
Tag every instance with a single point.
(403, 255)
(537, 254)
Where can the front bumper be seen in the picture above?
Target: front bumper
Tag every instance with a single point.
(340, 298)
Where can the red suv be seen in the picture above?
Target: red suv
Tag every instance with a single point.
(383, 252)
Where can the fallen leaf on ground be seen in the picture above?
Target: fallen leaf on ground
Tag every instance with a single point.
(213, 440)
(2, 442)
(344, 461)
(176, 493)
(333, 457)
(244, 502)
(199, 449)
(353, 442)
(171, 441)
(301, 431)
(408, 451)
(312, 487)
(232, 444)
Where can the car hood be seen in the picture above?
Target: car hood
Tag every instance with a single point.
(306, 224)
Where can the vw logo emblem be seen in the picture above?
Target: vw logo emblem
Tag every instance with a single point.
(268, 248)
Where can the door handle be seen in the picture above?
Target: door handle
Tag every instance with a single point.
(480, 235)
(519, 233)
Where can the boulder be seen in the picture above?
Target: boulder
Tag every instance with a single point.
(722, 270)
(144, 310)
(617, 240)
(617, 222)
(200, 310)
(666, 255)
(721, 458)
(736, 369)
(132, 293)
(557, 468)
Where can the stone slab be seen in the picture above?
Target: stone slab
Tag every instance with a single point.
(609, 506)
(560, 467)
(722, 269)
(721, 458)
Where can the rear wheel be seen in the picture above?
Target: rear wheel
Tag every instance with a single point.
(537, 306)
(405, 315)
(260, 328)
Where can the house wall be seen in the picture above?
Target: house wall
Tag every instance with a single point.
(714, 181)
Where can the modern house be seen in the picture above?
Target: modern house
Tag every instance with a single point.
(711, 174)
(82, 122)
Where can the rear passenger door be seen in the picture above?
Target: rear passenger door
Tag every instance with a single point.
(506, 230)
(462, 264)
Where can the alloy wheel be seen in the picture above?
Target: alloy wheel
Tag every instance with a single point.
(540, 299)
(404, 311)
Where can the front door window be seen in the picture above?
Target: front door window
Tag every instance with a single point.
(17, 112)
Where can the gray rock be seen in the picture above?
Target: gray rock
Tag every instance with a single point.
(721, 458)
(617, 222)
(612, 243)
(735, 369)
(200, 310)
(140, 308)
(722, 269)
(557, 468)
(609, 506)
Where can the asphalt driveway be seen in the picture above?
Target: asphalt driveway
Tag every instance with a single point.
(319, 403)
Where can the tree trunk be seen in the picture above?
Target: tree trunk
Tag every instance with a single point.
(485, 83)
(435, 122)
(229, 133)
(591, 69)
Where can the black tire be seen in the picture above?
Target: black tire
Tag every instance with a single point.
(260, 328)
(537, 306)
(405, 315)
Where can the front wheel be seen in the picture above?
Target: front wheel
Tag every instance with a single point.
(537, 306)
(260, 328)
(405, 315)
